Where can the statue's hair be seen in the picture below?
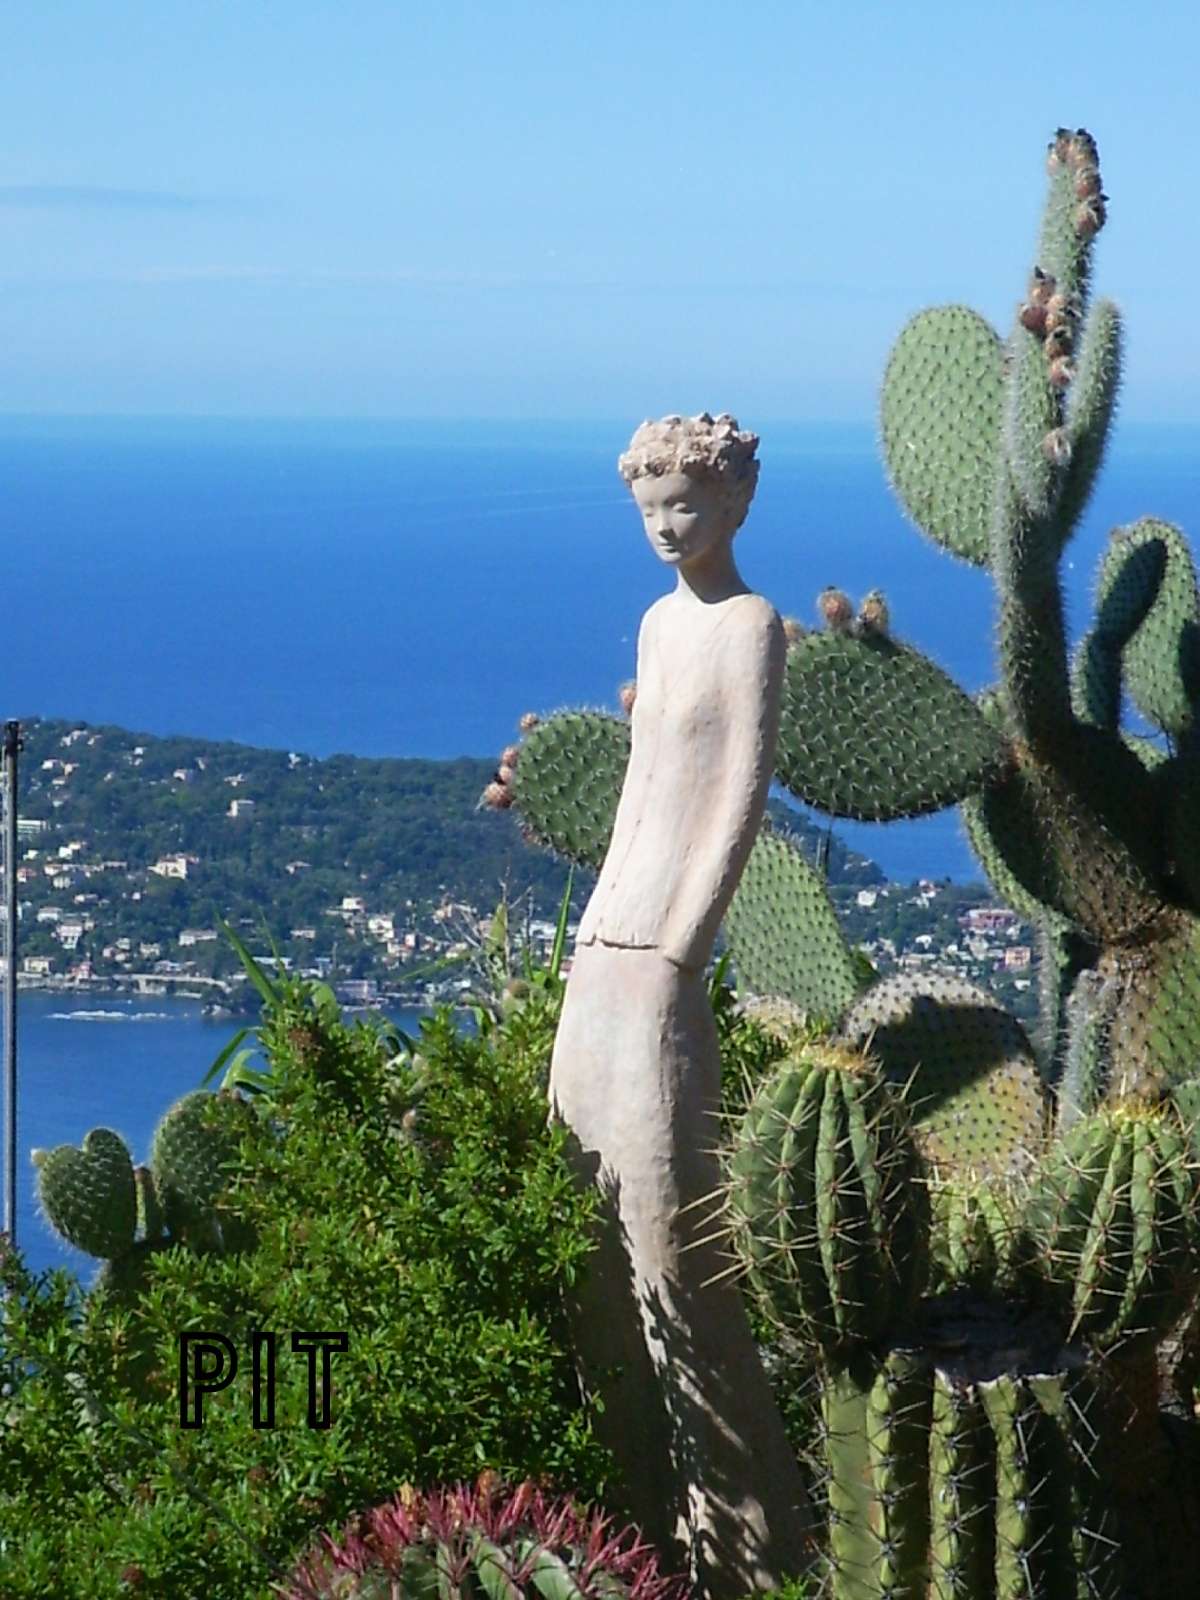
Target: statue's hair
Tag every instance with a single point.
(710, 449)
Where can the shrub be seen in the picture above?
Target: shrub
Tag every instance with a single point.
(407, 1192)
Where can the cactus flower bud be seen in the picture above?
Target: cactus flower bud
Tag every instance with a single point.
(505, 775)
(1089, 216)
(1056, 447)
(627, 694)
(1061, 311)
(510, 755)
(793, 631)
(1033, 317)
(1086, 183)
(1060, 149)
(1081, 149)
(835, 609)
(873, 613)
(498, 796)
(1062, 370)
(1058, 342)
(528, 722)
(1041, 286)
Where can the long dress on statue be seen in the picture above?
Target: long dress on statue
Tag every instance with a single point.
(636, 1076)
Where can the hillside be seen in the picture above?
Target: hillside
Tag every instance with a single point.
(133, 846)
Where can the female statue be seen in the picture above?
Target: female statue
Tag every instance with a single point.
(636, 1071)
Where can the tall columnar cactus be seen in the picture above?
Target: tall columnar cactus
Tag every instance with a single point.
(1063, 1188)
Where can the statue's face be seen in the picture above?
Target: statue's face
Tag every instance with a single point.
(684, 517)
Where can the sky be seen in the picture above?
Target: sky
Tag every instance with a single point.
(524, 209)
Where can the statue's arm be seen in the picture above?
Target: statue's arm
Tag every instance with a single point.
(751, 681)
(627, 806)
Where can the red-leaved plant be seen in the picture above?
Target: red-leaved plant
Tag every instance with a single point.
(491, 1541)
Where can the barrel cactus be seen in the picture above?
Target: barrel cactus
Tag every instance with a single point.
(491, 1540)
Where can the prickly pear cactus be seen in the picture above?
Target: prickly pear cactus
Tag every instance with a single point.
(1063, 1184)
(89, 1195)
(102, 1204)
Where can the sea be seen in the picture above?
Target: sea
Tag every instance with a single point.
(411, 589)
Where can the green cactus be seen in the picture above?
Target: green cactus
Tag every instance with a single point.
(100, 1203)
(191, 1153)
(1114, 1218)
(784, 933)
(825, 1203)
(90, 1195)
(1062, 1228)
(978, 1239)
(972, 1083)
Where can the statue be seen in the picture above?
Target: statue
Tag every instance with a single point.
(636, 1074)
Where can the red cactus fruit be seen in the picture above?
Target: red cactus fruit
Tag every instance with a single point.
(498, 796)
(627, 694)
(510, 755)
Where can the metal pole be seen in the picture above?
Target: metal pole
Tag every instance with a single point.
(12, 745)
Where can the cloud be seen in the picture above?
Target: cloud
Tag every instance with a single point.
(88, 196)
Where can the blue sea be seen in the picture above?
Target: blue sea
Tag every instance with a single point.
(393, 589)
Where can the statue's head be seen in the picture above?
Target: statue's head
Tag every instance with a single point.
(709, 450)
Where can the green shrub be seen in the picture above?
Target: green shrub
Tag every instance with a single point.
(407, 1192)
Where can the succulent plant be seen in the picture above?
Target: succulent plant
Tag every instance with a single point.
(457, 1543)
(825, 1200)
(102, 1204)
(965, 1438)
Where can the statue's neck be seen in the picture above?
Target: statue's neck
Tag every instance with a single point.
(711, 577)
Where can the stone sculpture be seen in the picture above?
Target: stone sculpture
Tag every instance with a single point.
(661, 1330)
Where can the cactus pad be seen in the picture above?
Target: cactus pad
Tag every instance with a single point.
(943, 398)
(568, 781)
(191, 1154)
(1162, 657)
(871, 729)
(973, 1088)
(785, 937)
(89, 1194)
(827, 1211)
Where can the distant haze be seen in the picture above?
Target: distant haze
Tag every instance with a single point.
(539, 209)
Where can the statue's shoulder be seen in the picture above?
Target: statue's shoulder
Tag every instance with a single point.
(753, 616)
(757, 609)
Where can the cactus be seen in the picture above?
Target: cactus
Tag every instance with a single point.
(463, 1542)
(90, 1194)
(105, 1206)
(1062, 1181)
(1114, 1220)
(823, 1200)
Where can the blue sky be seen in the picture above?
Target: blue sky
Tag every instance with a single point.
(501, 208)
